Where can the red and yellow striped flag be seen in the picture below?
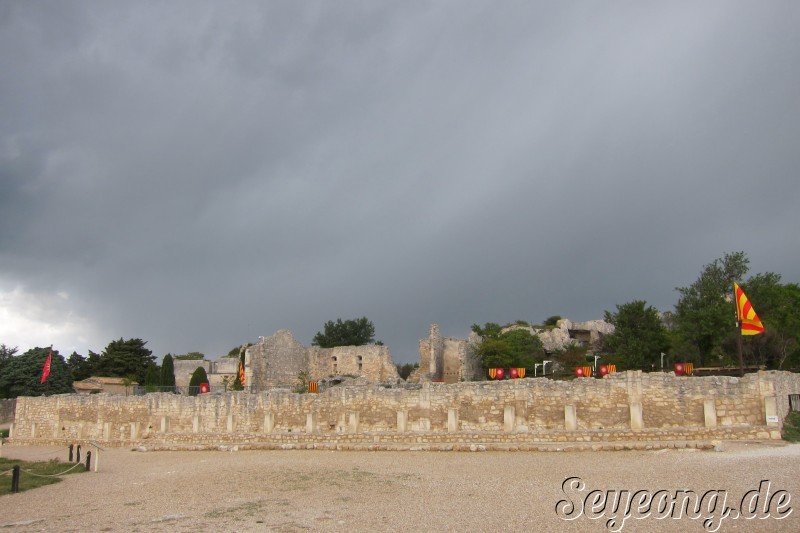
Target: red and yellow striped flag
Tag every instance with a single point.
(241, 372)
(750, 323)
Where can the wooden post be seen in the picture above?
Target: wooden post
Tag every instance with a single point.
(15, 478)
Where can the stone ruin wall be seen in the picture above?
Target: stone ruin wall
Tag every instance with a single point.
(446, 359)
(277, 360)
(622, 406)
(372, 362)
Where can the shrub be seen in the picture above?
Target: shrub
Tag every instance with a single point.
(791, 427)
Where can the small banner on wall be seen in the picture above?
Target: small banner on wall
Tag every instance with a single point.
(500, 373)
(313, 387)
(607, 369)
(583, 371)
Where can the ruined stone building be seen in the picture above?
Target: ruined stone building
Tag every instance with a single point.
(278, 360)
(218, 372)
(451, 360)
(446, 359)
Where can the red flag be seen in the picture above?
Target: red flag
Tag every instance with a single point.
(750, 323)
(241, 373)
(46, 369)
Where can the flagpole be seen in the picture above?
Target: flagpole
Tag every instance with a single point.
(738, 333)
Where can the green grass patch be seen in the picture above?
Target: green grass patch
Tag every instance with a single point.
(30, 473)
(791, 427)
(3, 433)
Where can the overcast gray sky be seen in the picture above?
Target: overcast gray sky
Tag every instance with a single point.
(197, 174)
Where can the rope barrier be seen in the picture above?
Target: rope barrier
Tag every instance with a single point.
(76, 465)
(6, 472)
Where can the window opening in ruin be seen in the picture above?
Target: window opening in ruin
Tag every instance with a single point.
(335, 371)
(360, 365)
(794, 402)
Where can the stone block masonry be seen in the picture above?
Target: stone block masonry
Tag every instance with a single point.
(7, 411)
(512, 414)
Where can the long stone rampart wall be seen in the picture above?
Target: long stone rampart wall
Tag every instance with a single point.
(623, 406)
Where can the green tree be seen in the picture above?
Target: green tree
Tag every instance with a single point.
(704, 314)
(356, 332)
(234, 352)
(514, 348)
(525, 347)
(22, 375)
(78, 366)
(301, 386)
(122, 358)
(92, 363)
(6, 354)
(639, 336)
(128, 382)
(405, 370)
(569, 357)
(777, 306)
(199, 377)
(168, 374)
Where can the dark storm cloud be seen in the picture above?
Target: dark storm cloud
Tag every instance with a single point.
(197, 174)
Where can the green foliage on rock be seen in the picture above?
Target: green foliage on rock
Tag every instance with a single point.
(552, 321)
(22, 375)
(514, 348)
(191, 356)
(355, 332)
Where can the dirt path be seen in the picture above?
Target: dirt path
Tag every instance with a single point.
(390, 491)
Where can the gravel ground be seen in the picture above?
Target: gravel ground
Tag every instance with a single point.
(392, 491)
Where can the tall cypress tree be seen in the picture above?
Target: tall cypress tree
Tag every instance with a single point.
(199, 377)
(152, 379)
(168, 374)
